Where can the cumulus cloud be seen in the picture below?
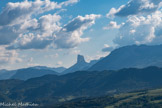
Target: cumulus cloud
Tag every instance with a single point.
(31, 33)
(141, 30)
(134, 7)
(7, 57)
(21, 11)
(47, 31)
(107, 48)
(112, 25)
(70, 35)
(19, 19)
(143, 23)
(30, 41)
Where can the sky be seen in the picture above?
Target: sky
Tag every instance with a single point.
(53, 32)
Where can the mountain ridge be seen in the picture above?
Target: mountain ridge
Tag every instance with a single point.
(137, 56)
(52, 88)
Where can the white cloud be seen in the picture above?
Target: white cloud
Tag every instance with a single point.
(59, 63)
(69, 2)
(30, 41)
(32, 64)
(52, 56)
(19, 19)
(32, 33)
(107, 48)
(141, 30)
(48, 32)
(134, 7)
(8, 57)
(143, 24)
(112, 25)
(40, 33)
(70, 35)
(18, 12)
(113, 11)
(98, 56)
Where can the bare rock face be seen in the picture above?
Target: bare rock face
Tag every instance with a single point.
(80, 59)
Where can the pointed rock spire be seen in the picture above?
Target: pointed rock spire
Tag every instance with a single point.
(80, 59)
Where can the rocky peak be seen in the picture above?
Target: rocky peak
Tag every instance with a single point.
(80, 59)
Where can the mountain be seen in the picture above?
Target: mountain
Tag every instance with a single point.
(131, 56)
(31, 72)
(80, 65)
(53, 89)
(58, 69)
(27, 73)
(6, 74)
(3, 71)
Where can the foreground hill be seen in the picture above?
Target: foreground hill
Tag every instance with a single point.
(138, 99)
(131, 56)
(53, 89)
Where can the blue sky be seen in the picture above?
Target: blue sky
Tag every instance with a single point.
(49, 34)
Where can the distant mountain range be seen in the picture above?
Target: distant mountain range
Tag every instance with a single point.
(131, 56)
(24, 74)
(52, 88)
(58, 69)
(31, 72)
(6, 74)
(126, 69)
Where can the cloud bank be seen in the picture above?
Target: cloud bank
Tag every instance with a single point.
(25, 25)
(135, 7)
(143, 24)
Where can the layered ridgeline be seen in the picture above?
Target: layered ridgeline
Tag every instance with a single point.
(31, 72)
(24, 74)
(52, 88)
(58, 69)
(124, 57)
(37, 71)
(80, 65)
(131, 56)
(6, 74)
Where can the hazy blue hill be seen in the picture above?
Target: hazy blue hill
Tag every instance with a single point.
(131, 56)
(6, 74)
(24, 74)
(58, 69)
(53, 88)
(31, 72)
